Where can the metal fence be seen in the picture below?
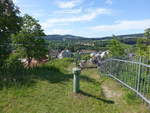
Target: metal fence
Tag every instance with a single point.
(133, 74)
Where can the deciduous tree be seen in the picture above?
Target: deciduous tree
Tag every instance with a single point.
(29, 41)
(116, 47)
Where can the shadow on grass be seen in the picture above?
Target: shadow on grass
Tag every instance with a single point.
(51, 74)
(28, 77)
(95, 82)
(97, 98)
(91, 80)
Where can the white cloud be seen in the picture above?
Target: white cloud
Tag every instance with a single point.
(68, 4)
(70, 11)
(109, 2)
(14, 1)
(30, 8)
(124, 25)
(60, 31)
(86, 17)
(37, 13)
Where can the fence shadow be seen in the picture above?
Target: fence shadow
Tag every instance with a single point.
(95, 82)
(97, 98)
(91, 80)
(88, 79)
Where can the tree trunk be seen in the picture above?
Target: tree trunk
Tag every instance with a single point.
(29, 61)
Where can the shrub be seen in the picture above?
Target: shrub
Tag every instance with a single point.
(12, 66)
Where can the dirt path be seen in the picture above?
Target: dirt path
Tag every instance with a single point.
(111, 90)
(110, 93)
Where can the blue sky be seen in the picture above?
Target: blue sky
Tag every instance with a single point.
(90, 18)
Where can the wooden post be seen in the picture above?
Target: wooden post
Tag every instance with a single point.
(76, 80)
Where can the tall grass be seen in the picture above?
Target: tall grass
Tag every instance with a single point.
(15, 74)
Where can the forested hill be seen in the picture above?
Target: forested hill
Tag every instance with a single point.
(64, 37)
(71, 37)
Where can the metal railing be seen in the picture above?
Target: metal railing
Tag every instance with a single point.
(135, 75)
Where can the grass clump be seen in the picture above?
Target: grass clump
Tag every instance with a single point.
(131, 98)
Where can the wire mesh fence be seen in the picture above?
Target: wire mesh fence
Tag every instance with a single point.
(133, 74)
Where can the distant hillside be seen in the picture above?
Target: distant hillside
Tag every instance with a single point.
(71, 37)
(129, 36)
(63, 37)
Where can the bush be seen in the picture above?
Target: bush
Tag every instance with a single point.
(12, 71)
(12, 67)
(85, 57)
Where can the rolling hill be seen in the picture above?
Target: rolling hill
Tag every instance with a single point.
(72, 37)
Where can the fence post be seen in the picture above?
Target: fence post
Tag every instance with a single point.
(139, 75)
(76, 80)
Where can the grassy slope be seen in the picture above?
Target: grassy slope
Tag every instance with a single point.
(51, 92)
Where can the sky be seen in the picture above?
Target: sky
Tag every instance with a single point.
(89, 18)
